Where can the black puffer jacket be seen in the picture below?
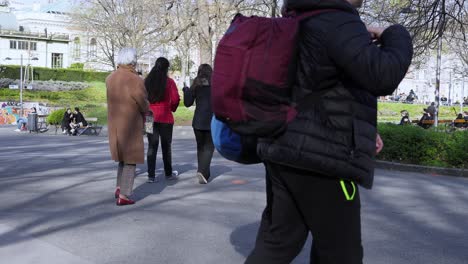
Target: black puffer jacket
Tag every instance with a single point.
(201, 93)
(340, 73)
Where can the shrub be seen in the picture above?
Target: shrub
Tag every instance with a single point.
(77, 66)
(55, 117)
(46, 74)
(414, 145)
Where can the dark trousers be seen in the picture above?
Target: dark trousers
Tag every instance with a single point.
(163, 131)
(299, 203)
(205, 149)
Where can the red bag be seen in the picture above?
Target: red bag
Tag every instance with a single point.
(253, 73)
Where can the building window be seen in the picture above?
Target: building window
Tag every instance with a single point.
(93, 48)
(77, 50)
(13, 44)
(32, 45)
(23, 45)
(57, 60)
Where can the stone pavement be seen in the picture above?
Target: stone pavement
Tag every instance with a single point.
(57, 206)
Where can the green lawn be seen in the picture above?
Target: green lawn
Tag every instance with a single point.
(91, 101)
(390, 112)
(95, 95)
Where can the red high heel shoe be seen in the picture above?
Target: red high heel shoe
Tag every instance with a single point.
(117, 193)
(121, 202)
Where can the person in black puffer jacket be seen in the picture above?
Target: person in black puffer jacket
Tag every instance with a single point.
(313, 169)
(201, 93)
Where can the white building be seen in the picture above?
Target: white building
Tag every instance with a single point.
(45, 36)
(422, 81)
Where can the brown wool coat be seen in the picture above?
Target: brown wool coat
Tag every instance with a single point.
(127, 101)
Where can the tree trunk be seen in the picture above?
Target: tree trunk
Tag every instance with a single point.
(204, 33)
(274, 6)
(184, 61)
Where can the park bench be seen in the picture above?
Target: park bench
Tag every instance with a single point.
(92, 129)
(449, 125)
(431, 122)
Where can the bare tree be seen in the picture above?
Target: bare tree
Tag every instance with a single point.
(215, 16)
(119, 23)
(205, 32)
(185, 36)
(148, 24)
(429, 21)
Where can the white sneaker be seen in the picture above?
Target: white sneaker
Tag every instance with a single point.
(64, 132)
(174, 176)
(17, 130)
(201, 178)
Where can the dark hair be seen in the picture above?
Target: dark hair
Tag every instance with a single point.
(77, 109)
(156, 81)
(204, 73)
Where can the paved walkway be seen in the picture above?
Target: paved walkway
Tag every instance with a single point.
(57, 206)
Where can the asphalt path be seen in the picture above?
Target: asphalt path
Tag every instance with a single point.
(57, 206)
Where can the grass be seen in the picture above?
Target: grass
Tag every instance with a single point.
(92, 101)
(390, 112)
(95, 95)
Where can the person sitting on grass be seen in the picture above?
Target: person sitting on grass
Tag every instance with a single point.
(78, 122)
(405, 119)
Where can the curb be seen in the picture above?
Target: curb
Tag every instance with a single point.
(421, 169)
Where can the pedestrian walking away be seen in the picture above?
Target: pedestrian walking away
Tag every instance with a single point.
(314, 168)
(164, 99)
(127, 102)
(200, 94)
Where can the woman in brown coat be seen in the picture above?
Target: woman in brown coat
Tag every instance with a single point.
(127, 102)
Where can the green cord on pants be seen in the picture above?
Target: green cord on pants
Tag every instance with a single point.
(345, 191)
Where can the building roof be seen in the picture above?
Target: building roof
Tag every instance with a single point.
(57, 7)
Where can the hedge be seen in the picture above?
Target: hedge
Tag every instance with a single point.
(47, 74)
(414, 145)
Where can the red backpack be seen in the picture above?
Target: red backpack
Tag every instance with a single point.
(253, 74)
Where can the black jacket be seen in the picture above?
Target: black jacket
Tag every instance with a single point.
(340, 72)
(66, 120)
(79, 118)
(202, 95)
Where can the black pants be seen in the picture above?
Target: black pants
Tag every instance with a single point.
(299, 203)
(163, 131)
(205, 149)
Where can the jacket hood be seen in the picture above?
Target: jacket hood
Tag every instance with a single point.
(306, 5)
